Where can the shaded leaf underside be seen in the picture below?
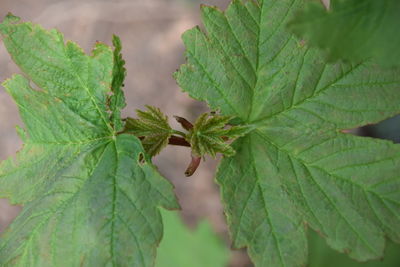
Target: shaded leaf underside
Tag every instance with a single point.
(296, 167)
(88, 201)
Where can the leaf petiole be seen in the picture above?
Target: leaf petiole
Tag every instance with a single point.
(178, 141)
(187, 125)
(193, 165)
(178, 133)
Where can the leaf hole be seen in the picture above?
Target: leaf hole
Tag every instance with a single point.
(388, 129)
(141, 158)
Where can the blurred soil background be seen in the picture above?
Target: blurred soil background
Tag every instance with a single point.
(150, 31)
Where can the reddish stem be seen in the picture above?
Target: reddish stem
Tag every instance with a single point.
(178, 141)
(187, 125)
(194, 164)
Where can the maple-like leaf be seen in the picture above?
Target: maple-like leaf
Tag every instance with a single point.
(353, 30)
(209, 135)
(297, 167)
(320, 255)
(90, 196)
(153, 127)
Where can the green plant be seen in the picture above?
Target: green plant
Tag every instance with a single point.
(91, 194)
(182, 247)
(352, 30)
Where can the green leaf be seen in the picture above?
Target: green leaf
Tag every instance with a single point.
(297, 167)
(322, 255)
(153, 127)
(353, 30)
(117, 99)
(87, 199)
(182, 247)
(209, 135)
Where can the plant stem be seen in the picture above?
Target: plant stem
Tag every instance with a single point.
(179, 133)
(178, 141)
(194, 164)
(187, 125)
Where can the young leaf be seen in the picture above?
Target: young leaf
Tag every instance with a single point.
(117, 99)
(353, 30)
(297, 167)
(88, 201)
(209, 136)
(182, 247)
(153, 127)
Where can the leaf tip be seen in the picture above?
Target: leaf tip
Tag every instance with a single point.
(207, 10)
(11, 18)
(116, 41)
